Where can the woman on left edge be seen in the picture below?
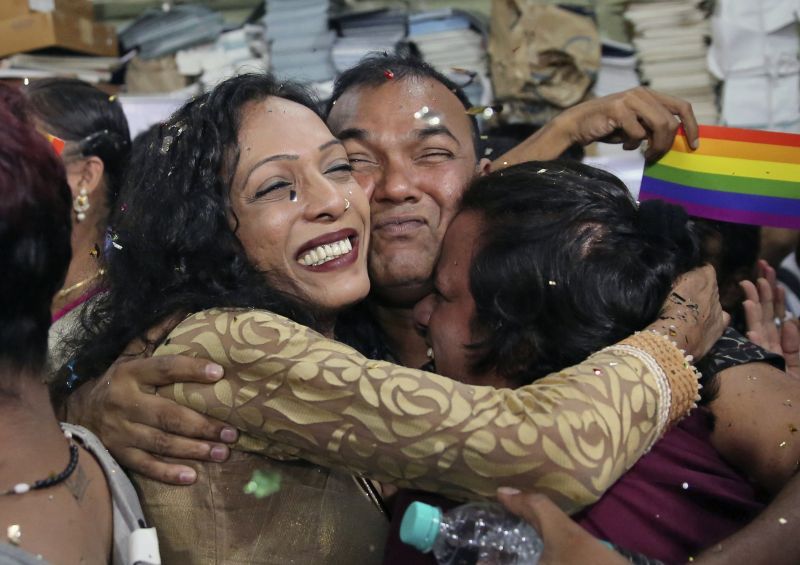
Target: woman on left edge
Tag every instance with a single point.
(63, 499)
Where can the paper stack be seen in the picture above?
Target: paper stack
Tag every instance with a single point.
(234, 52)
(452, 42)
(617, 68)
(299, 38)
(366, 32)
(90, 69)
(671, 40)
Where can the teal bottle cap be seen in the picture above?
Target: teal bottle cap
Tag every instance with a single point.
(420, 526)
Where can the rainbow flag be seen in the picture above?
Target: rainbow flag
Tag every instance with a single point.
(737, 175)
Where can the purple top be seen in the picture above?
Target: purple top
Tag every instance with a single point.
(677, 500)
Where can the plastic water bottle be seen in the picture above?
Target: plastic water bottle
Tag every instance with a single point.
(477, 533)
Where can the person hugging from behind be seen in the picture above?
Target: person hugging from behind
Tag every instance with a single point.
(551, 260)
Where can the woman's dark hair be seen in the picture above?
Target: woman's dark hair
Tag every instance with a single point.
(35, 227)
(77, 111)
(568, 264)
(174, 251)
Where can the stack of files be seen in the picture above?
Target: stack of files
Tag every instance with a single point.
(452, 42)
(671, 40)
(160, 32)
(88, 68)
(367, 32)
(235, 52)
(617, 68)
(299, 39)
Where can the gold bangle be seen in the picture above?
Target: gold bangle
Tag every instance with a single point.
(682, 376)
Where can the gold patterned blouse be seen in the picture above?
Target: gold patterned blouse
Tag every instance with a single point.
(297, 395)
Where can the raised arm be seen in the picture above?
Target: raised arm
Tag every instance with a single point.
(297, 394)
(629, 117)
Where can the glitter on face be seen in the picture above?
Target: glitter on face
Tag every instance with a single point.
(14, 534)
(783, 521)
(388, 74)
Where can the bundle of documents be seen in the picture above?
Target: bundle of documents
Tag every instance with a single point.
(299, 39)
(366, 32)
(671, 41)
(238, 51)
(90, 69)
(454, 42)
(617, 68)
(160, 32)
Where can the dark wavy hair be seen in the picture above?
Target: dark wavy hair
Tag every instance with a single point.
(77, 111)
(35, 227)
(568, 264)
(175, 251)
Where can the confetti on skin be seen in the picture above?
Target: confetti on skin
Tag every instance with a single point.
(14, 534)
(95, 252)
(263, 484)
(783, 521)
(388, 74)
(597, 371)
(782, 444)
(435, 121)
(422, 112)
(751, 378)
(166, 144)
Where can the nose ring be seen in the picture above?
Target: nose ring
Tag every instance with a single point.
(346, 204)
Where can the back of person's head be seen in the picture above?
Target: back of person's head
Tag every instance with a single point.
(78, 112)
(372, 71)
(173, 248)
(35, 229)
(568, 264)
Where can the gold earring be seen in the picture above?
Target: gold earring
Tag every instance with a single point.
(81, 204)
(346, 204)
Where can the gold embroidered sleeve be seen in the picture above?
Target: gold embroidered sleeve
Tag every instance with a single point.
(295, 394)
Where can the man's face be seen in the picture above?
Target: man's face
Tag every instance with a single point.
(446, 315)
(410, 143)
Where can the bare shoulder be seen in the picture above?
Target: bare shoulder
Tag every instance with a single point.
(67, 523)
(757, 422)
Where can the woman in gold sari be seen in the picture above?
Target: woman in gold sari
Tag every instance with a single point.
(240, 231)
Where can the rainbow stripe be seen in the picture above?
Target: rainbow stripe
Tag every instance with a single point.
(737, 175)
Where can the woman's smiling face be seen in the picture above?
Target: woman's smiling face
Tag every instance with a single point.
(295, 206)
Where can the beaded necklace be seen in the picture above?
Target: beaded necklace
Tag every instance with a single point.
(52, 480)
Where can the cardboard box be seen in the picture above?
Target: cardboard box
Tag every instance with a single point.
(38, 30)
(82, 8)
(13, 8)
